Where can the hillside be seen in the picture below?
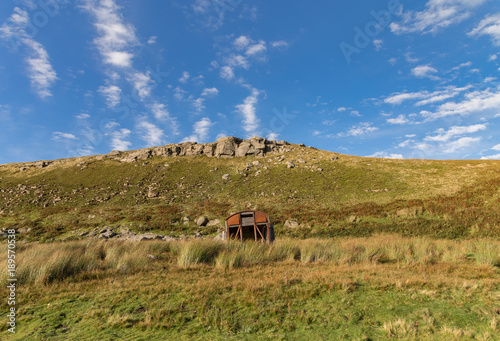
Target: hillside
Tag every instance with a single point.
(326, 193)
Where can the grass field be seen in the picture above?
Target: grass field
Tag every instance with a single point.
(381, 287)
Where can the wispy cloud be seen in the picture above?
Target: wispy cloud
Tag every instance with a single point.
(248, 110)
(118, 139)
(200, 130)
(464, 142)
(150, 133)
(226, 72)
(57, 135)
(443, 135)
(401, 119)
(112, 94)
(490, 25)
(185, 77)
(161, 113)
(116, 38)
(424, 71)
(40, 71)
(210, 92)
(359, 130)
(279, 44)
(425, 97)
(387, 155)
(484, 102)
(437, 15)
(142, 83)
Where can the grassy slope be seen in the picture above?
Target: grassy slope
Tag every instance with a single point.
(356, 289)
(453, 198)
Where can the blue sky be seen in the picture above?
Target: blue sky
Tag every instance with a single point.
(400, 79)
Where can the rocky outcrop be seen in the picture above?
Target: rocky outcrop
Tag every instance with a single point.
(225, 147)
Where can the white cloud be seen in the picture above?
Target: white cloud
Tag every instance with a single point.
(198, 104)
(118, 139)
(179, 93)
(142, 83)
(424, 71)
(57, 135)
(491, 157)
(226, 72)
(150, 133)
(425, 96)
(82, 116)
(237, 60)
(241, 42)
(497, 147)
(111, 125)
(360, 129)
(490, 25)
(272, 136)
(112, 94)
(152, 40)
(377, 43)
(160, 111)
(446, 135)
(247, 109)
(40, 71)
(474, 102)
(200, 130)
(256, 49)
(342, 109)
(210, 92)
(356, 113)
(401, 119)
(464, 142)
(386, 155)
(116, 38)
(492, 58)
(279, 44)
(437, 15)
(185, 77)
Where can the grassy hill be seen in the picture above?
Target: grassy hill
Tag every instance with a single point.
(397, 275)
(328, 194)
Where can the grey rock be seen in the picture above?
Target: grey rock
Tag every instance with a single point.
(202, 221)
(108, 234)
(291, 223)
(214, 222)
(114, 153)
(225, 177)
(290, 164)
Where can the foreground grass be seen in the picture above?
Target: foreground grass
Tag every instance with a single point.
(362, 288)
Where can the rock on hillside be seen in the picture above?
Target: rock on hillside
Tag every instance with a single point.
(225, 147)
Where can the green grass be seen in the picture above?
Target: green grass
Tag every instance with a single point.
(348, 288)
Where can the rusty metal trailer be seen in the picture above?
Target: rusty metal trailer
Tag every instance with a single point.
(248, 225)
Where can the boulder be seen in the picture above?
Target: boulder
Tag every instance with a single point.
(291, 223)
(226, 147)
(214, 222)
(114, 153)
(290, 164)
(202, 221)
(225, 177)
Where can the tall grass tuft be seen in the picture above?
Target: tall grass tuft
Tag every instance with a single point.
(192, 253)
(45, 263)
